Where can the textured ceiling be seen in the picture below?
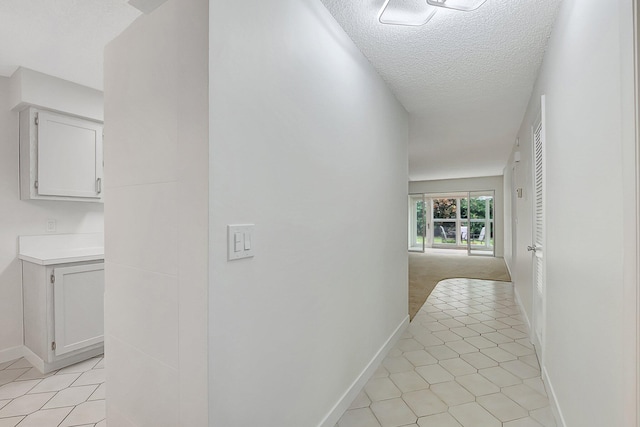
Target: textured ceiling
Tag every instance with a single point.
(464, 77)
(63, 38)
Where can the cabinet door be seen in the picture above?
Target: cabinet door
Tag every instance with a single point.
(78, 305)
(69, 156)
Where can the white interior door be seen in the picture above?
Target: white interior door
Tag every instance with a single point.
(539, 268)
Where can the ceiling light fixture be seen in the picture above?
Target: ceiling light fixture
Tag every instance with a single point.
(409, 13)
(415, 13)
(464, 5)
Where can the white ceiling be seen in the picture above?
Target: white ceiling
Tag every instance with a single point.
(464, 77)
(62, 38)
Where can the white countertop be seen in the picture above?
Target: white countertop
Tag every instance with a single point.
(61, 248)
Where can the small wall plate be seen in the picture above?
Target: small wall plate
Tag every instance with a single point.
(240, 241)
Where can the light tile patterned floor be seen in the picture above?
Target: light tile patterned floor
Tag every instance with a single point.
(464, 361)
(72, 396)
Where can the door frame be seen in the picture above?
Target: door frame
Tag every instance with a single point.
(632, 219)
(514, 212)
(413, 217)
(430, 222)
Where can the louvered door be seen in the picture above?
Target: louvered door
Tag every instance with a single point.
(537, 248)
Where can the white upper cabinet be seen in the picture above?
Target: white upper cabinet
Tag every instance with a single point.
(61, 157)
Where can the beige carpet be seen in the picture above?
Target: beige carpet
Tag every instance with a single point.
(426, 270)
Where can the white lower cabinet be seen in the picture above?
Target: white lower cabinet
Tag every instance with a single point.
(63, 313)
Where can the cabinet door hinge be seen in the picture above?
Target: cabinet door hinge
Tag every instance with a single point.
(36, 121)
(53, 278)
(35, 184)
(53, 345)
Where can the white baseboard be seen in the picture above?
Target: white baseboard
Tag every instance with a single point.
(553, 401)
(522, 311)
(34, 359)
(12, 353)
(508, 269)
(345, 400)
(46, 367)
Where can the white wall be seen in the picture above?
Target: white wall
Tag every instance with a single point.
(508, 206)
(18, 217)
(32, 88)
(156, 218)
(518, 218)
(470, 184)
(587, 76)
(309, 144)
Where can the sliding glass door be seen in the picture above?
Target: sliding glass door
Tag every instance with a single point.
(463, 221)
(445, 221)
(418, 212)
(480, 216)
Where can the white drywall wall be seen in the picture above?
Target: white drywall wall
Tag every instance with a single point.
(308, 144)
(508, 212)
(470, 184)
(156, 218)
(587, 77)
(26, 217)
(518, 220)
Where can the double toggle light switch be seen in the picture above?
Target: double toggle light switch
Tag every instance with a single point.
(240, 241)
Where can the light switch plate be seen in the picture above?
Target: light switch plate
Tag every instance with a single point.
(51, 226)
(239, 249)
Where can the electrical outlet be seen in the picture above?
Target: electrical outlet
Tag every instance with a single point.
(51, 226)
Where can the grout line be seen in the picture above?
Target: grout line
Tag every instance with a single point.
(502, 303)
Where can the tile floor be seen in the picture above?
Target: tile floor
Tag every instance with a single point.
(72, 396)
(464, 361)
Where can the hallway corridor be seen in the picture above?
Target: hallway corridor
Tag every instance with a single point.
(464, 361)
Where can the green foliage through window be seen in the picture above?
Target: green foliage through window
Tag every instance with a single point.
(422, 219)
(444, 208)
